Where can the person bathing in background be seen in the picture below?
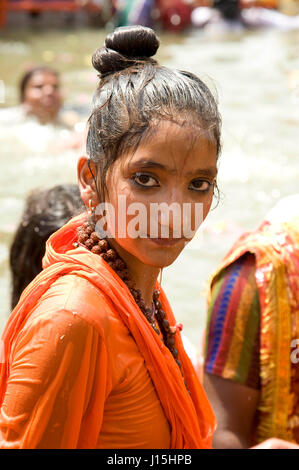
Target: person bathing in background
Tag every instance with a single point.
(40, 94)
(40, 99)
(41, 110)
(251, 367)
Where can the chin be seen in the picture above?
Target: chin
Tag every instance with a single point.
(158, 261)
(160, 257)
(151, 254)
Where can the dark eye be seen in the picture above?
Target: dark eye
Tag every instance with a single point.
(142, 179)
(200, 185)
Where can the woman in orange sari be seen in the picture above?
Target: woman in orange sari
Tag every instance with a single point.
(92, 356)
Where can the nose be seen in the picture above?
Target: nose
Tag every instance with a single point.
(49, 90)
(168, 214)
(174, 195)
(179, 217)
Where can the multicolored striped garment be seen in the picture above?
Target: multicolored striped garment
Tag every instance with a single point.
(253, 322)
(232, 337)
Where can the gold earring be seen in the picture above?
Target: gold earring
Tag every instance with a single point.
(90, 208)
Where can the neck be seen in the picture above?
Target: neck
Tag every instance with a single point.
(43, 117)
(46, 118)
(143, 275)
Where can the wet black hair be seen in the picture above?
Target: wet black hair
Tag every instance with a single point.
(134, 92)
(45, 212)
(27, 76)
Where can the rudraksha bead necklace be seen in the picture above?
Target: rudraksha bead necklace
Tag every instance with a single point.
(88, 237)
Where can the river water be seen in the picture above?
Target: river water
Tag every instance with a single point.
(256, 76)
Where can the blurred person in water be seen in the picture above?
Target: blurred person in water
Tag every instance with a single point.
(40, 94)
(41, 98)
(41, 101)
(41, 110)
(251, 368)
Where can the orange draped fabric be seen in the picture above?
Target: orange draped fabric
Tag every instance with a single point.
(82, 365)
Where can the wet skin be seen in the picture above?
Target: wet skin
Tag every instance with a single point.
(174, 164)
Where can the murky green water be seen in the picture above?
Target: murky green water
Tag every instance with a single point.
(256, 77)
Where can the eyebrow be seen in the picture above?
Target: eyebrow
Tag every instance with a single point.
(209, 172)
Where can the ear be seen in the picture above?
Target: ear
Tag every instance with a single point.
(86, 181)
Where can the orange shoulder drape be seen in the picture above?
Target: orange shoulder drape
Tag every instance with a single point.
(82, 406)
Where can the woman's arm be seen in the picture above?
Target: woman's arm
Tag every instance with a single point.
(50, 382)
(275, 443)
(235, 407)
(232, 353)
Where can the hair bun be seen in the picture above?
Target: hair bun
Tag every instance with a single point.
(124, 47)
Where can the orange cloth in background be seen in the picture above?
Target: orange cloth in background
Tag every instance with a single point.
(84, 369)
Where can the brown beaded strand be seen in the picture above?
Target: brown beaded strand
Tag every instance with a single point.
(91, 240)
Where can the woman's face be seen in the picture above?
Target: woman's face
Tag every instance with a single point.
(175, 166)
(42, 96)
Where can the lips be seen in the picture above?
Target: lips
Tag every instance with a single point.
(49, 100)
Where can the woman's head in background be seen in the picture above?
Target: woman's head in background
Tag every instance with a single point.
(40, 93)
(45, 212)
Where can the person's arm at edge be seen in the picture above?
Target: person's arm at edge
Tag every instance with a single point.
(235, 407)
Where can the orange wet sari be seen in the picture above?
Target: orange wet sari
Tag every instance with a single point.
(83, 368)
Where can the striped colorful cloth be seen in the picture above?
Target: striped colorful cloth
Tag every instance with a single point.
(232, 336)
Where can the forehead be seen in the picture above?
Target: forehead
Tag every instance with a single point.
(177, 146)
(43, 77)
